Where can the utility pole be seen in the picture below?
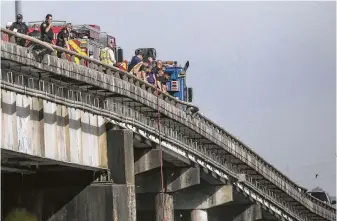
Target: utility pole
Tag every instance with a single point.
(18, 9)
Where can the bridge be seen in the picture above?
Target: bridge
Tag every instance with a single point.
(84, 143)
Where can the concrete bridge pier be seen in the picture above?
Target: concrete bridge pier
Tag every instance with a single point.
(152, 204)
(164, 206)
(121, 165)
(199, 215)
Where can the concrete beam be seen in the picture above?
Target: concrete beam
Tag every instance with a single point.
(210, 177)
(199, 215)
(149, 160)
(174, 180)
(238, 212)
(251, 213)
(203, 197)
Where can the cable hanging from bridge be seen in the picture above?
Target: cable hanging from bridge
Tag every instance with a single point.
(160, 154)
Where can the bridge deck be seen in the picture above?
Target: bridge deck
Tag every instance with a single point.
(211, 140)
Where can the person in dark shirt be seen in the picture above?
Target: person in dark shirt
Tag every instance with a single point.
(35, 33)
(63, 37)
(47, 34)
(150, 76)
(135, 60)
(21, 28)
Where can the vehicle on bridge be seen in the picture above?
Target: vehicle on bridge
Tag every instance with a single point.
(87, 40)
(320, 194)
(177, 83)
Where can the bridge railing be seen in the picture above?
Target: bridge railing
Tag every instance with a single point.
(205, 126)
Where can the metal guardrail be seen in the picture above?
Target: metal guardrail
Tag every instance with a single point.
(205, 123)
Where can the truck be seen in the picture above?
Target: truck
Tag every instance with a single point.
(86, 39)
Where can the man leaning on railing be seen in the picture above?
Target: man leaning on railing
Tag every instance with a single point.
(63, 38)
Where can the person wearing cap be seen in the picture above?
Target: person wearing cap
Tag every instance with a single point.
(47, 33)
(21, 28)
(136, 60)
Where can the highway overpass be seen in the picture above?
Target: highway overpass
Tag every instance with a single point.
(83, 143)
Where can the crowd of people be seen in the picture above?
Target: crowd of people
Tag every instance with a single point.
(150, 71)
(143, 67)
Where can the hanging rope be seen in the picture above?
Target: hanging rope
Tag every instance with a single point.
(160, 153)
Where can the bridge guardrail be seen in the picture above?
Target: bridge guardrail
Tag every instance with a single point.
(213, 131)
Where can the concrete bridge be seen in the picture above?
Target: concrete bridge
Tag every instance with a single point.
(83, 143)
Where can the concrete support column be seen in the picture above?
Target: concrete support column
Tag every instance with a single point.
(121, 165)
(164, 206)
(199, 215)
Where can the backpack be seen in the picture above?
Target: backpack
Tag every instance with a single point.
(104, 56)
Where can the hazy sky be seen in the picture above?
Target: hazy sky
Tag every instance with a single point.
(265, 71)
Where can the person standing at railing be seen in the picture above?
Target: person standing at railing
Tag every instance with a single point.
(47, 34)
(63, 38)
(35, 33)
(107, 55)
(21, 28)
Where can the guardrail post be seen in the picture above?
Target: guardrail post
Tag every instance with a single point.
(52, 88)
(60, 92)
(12, 39)
(20, 80)
(41, 85)
(54, 53)
(63, 55)
(106, 104)
(79, 96)
(70, 94)
(10, 77)
(31, 83)
(96, 102)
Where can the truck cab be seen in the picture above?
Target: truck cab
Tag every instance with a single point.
(176, 85)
